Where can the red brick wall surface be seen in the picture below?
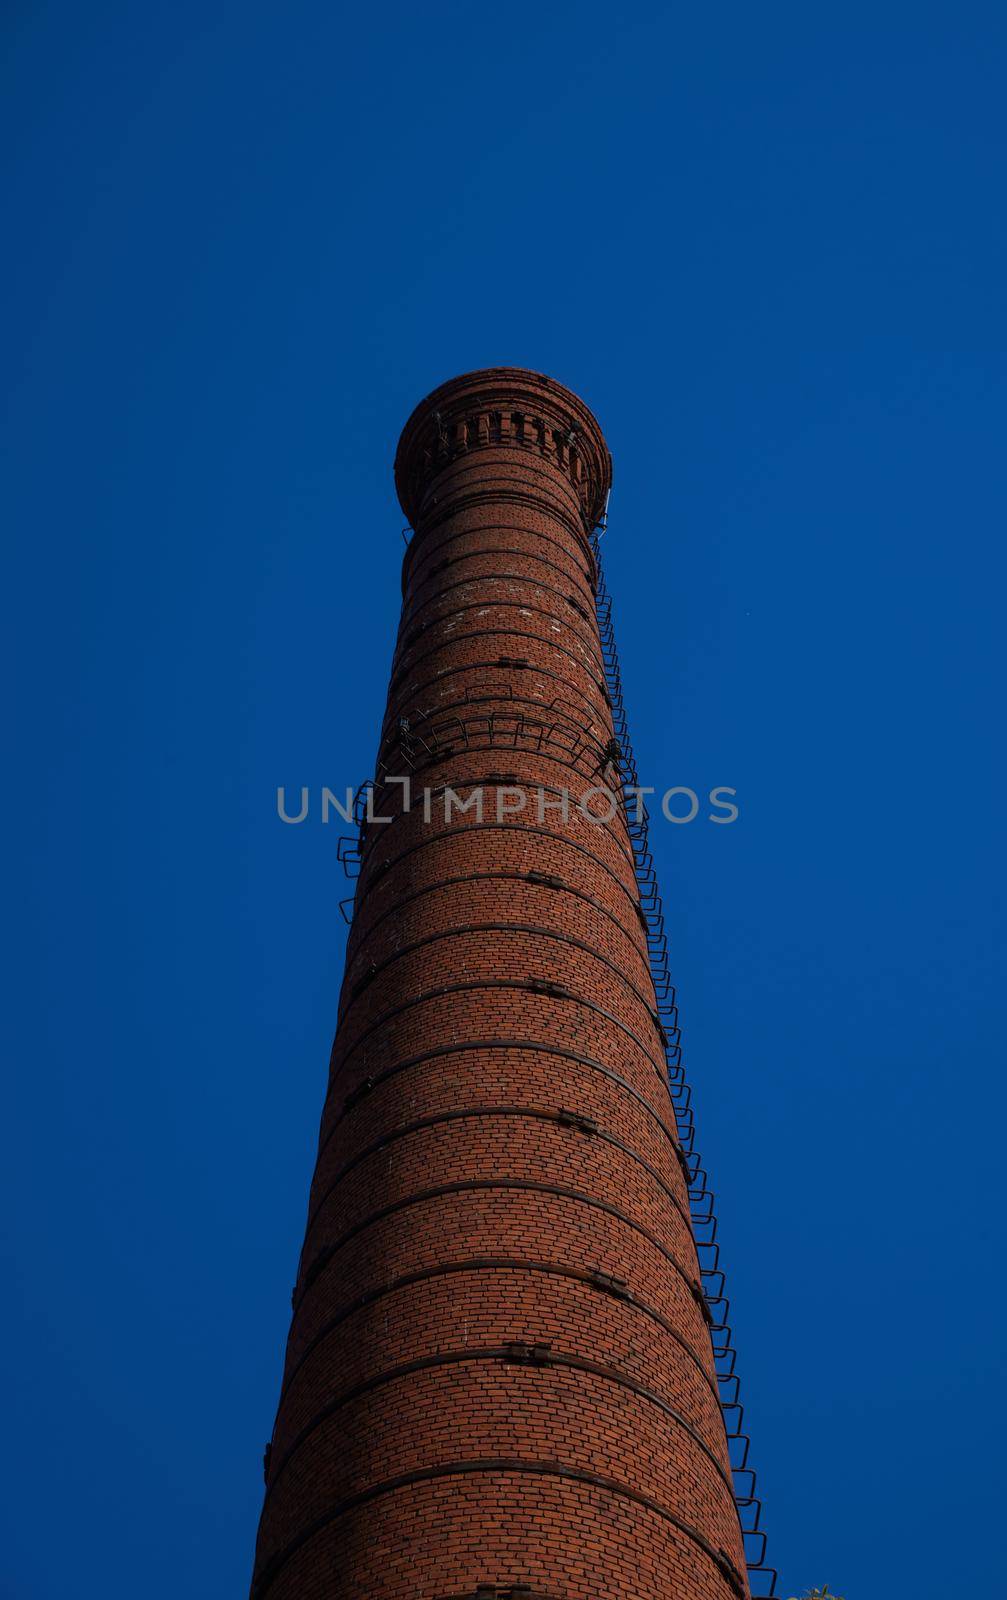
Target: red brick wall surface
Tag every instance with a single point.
(499, 1376)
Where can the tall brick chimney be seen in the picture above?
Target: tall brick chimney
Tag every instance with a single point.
(499, 1378)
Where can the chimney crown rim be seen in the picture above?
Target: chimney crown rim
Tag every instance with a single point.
(508, 390)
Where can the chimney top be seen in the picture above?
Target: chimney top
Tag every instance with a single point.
(431, 432)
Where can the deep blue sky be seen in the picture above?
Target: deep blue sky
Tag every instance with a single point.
(768, 245)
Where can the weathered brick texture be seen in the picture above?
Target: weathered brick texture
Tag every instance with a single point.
(499, 1374)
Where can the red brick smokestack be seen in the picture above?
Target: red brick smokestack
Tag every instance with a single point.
(499, 1376)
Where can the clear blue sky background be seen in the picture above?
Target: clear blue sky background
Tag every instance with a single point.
(767, 245)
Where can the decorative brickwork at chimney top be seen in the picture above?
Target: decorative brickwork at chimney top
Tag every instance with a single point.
(499, 1376)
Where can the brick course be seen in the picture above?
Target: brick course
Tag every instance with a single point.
(499, 1370)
